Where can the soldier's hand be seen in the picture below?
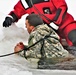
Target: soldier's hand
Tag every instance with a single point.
(19, 47)
(8, 21)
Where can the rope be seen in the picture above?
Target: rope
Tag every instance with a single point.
(37, 41)
(24, 49)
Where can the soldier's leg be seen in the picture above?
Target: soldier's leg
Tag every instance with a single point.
(70, 35)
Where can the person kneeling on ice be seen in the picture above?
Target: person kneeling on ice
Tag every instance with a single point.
(47, 51)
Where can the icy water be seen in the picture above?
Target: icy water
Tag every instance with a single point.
(14, 64)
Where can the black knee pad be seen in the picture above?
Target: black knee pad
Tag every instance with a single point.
(72, 37)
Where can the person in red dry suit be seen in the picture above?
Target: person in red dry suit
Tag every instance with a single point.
(53, 12)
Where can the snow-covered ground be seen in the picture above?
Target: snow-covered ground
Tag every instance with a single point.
(14, 64)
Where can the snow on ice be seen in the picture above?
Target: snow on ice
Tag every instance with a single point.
(14, 64)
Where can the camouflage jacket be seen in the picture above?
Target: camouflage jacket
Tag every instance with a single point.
(49, 48)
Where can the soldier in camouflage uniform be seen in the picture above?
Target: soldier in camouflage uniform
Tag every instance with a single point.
(47, 51)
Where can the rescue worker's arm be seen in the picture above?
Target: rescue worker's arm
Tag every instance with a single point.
(61, 7)
(15, 15)
(19, 10)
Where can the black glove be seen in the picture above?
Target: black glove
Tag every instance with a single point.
(8, 21)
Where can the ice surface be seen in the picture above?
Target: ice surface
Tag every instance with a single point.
(14, 64)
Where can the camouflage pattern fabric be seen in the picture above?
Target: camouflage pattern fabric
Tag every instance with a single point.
(51, 47)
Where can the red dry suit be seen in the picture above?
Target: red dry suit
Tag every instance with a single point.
(51, 11)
